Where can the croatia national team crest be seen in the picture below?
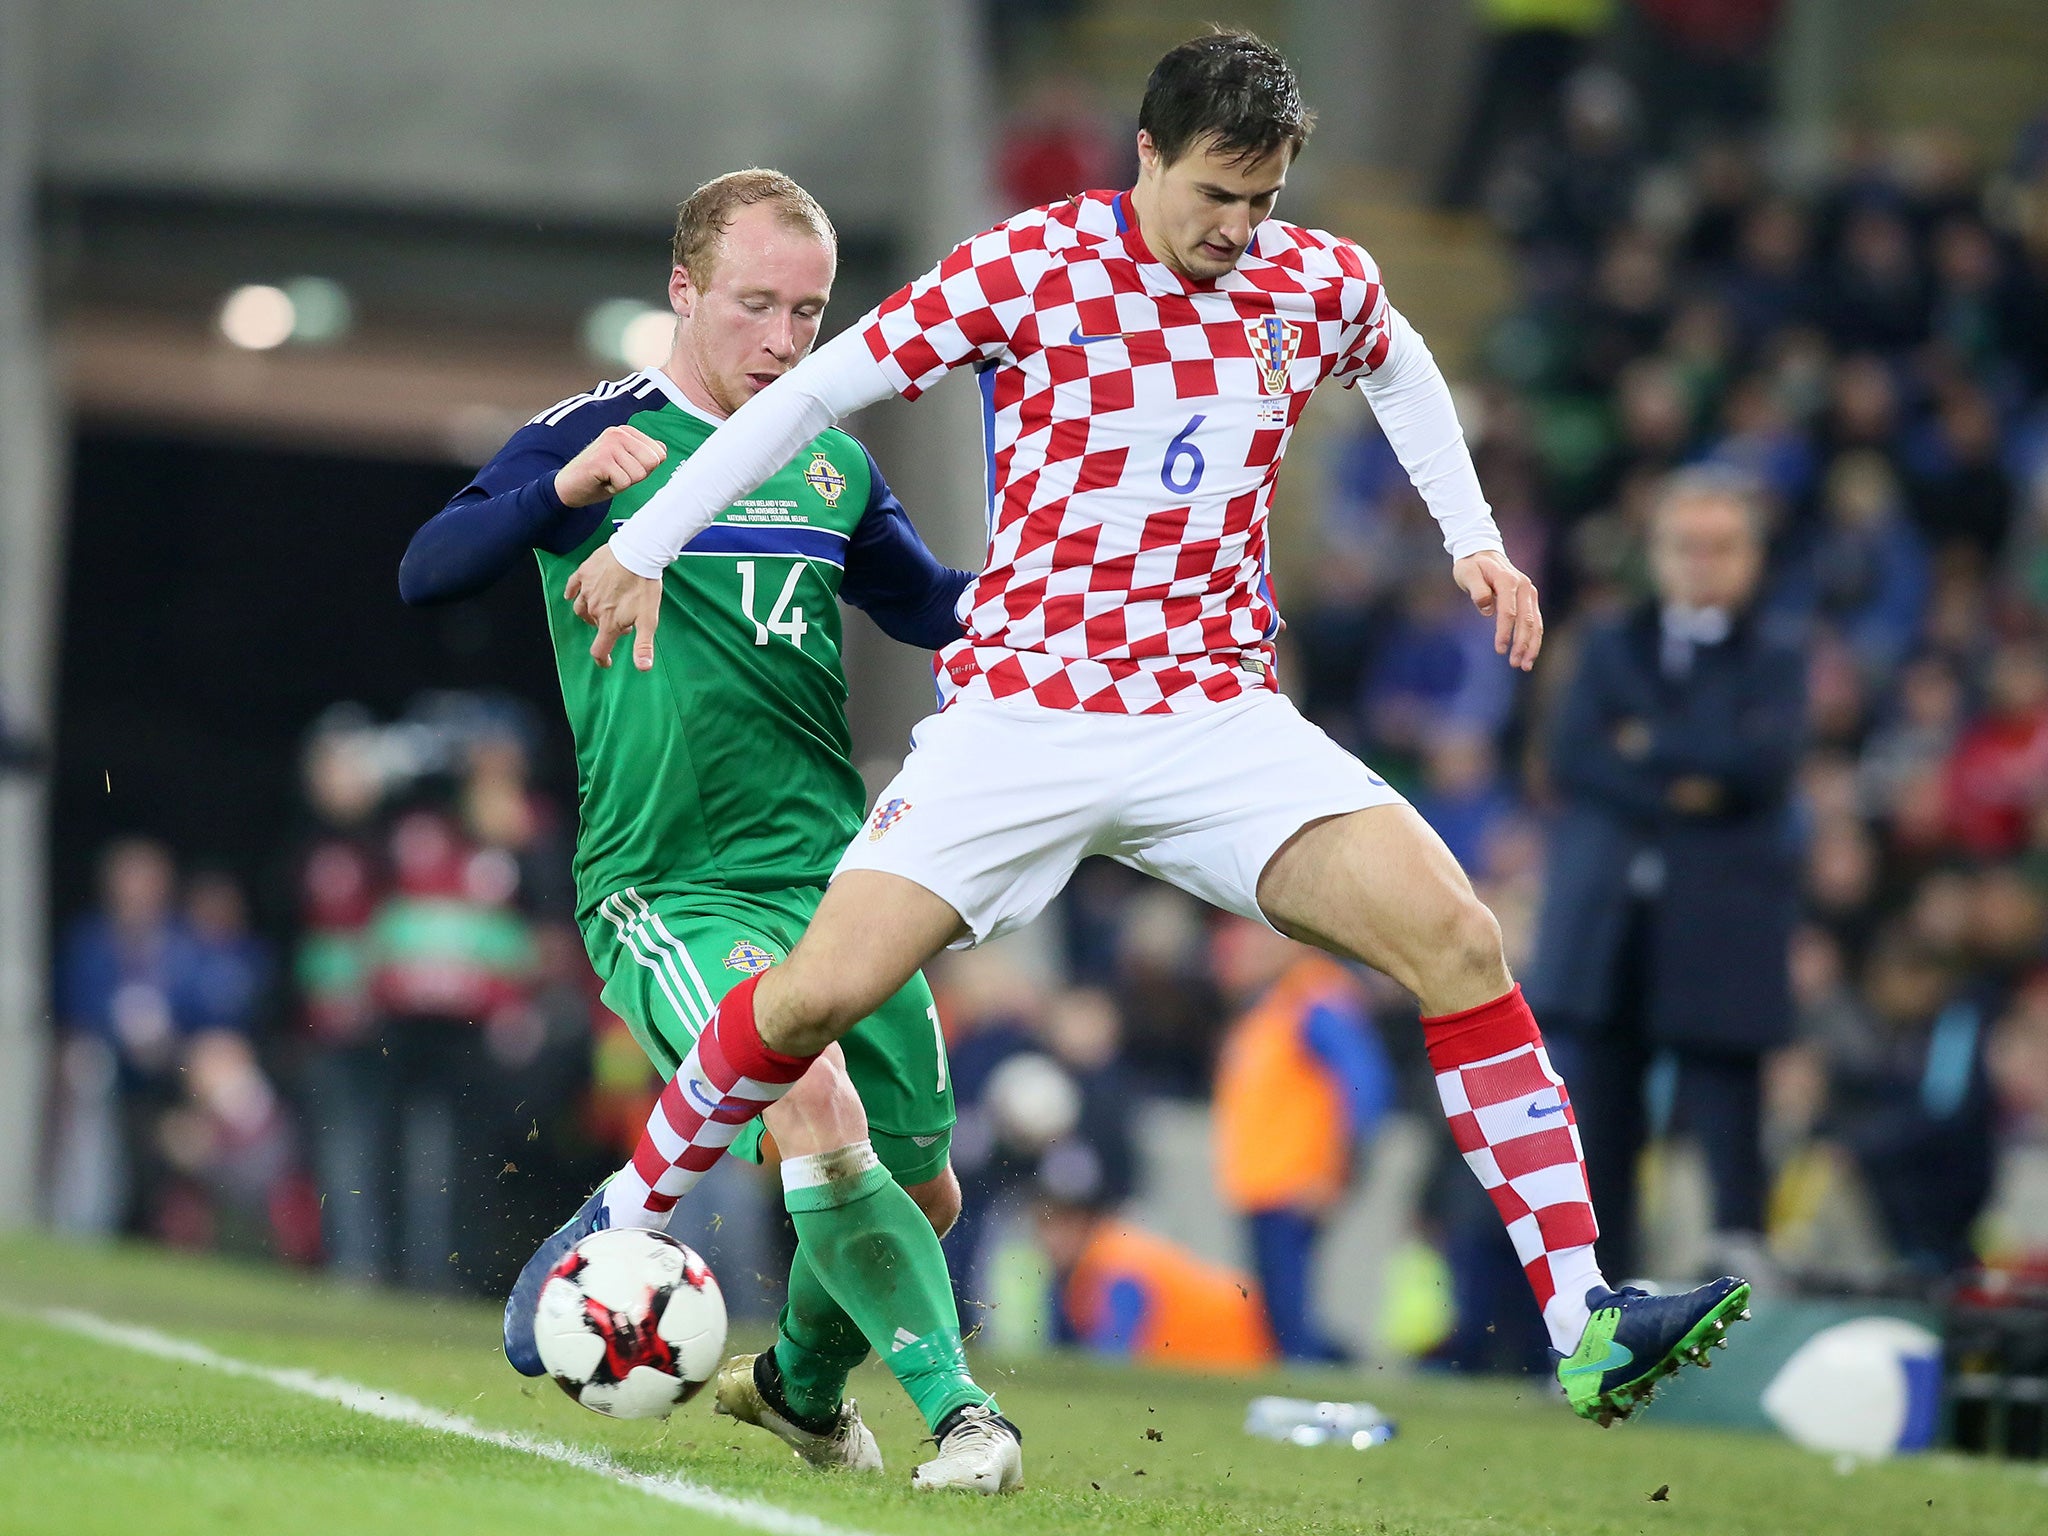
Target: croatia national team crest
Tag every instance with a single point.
(826, 480)
(887, 814)
(748, 958)
(1274, 344)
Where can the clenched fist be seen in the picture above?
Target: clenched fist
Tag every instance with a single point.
(619, 456)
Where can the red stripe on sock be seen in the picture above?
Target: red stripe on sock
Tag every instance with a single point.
(648, 1161)
(1491, 1029)
(1540, 1149)
(739, 1042)
(1466, 1133)
(1570, 1225)
(1502, 1082)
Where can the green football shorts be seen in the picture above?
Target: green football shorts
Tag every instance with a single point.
(666, 960)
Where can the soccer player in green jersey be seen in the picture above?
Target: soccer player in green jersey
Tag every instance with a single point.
(717, 792)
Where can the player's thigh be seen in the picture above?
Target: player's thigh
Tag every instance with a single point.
(668, 959)
(1229, 788)
(896, 1059)
(989, 814)
(1380, 886)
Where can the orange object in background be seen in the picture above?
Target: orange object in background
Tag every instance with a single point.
(1197, 1315)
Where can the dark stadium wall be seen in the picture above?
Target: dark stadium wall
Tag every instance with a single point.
(219, 598)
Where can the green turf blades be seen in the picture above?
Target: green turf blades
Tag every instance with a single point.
(1603, 1381)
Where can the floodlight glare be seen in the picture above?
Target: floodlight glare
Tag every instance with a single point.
(258, 317)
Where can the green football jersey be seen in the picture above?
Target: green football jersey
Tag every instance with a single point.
(729, 764)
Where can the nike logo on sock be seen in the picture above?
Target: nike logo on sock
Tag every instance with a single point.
(700, 1095)
(1538, 1111)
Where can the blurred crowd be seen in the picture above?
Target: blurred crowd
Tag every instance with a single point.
(1861, 352)
(423, 1076)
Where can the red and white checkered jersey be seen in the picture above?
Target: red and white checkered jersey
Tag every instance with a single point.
(1134, 424)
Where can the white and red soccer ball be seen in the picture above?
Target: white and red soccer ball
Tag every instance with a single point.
(631, 1323)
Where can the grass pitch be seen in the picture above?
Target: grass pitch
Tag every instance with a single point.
(97, 1437)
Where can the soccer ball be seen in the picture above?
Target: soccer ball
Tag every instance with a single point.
(631, 1323)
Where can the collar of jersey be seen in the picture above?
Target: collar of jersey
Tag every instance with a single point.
(1134, 243)
(678, 399)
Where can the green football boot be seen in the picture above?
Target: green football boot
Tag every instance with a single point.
(1634, 1340)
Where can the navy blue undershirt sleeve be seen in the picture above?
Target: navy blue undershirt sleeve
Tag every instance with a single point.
(894, 579)
(509, 509)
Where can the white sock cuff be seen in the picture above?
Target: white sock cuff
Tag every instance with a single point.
(841, 1165)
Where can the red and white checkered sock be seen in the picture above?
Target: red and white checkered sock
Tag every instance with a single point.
(1513, 1121)
(728, 1078)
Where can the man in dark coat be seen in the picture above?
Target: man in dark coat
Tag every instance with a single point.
(1672, 884)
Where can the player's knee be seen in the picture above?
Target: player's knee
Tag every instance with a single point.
(1466, 952)
(939, 1199)
(822, 1113)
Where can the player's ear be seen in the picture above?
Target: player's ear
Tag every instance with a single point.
(682, 293)
(1148, 154)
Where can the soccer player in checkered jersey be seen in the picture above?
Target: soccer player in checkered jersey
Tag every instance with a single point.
(1143, 357)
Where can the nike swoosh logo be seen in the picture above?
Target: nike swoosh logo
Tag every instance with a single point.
(1538, 1111)
(1618, 1355)
(1078, 340)
(698, 1096)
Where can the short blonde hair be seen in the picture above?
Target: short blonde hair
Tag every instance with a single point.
(702, 218)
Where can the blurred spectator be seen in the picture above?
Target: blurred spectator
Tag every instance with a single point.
(1866, 575)
(1998, 774)
(1057, 143)
(1434, 668)
(1463, 796)
(451, 959)
(1300, 1087)
(168, 1124)
(124, 998)
(231, 967)
(1122, 1291)
(1531, 48)
(1962, 493)
(1909, 1100)
(992, 1013)
(1670, 898)
(1705, 63)
(1085, 1034)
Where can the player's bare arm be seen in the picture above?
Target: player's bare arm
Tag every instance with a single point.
(1504, 595)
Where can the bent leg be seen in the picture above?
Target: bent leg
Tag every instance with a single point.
(869, 935)
(1380, 886)
(868, 1269)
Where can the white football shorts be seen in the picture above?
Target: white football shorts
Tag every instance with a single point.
(998, 802)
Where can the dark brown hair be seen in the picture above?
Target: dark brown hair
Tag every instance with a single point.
(1231, 85)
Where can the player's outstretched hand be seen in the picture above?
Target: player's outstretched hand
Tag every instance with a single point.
(618, 457)
(608, 595)
(1508, 598)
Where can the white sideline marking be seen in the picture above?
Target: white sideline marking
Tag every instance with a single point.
(398, 1409)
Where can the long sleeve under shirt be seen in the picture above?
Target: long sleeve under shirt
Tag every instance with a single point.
(511, 508)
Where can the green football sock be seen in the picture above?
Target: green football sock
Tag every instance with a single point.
(875, 1254)
(817, 1345)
